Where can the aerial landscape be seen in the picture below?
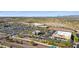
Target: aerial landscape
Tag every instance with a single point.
(39, 29)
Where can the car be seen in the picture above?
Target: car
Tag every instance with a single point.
(52, 46)
(34, 44)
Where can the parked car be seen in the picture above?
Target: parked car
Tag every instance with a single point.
(76, 45)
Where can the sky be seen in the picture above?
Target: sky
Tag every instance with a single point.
(37, 13)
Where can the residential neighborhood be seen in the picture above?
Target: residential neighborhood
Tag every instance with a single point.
(32, 33)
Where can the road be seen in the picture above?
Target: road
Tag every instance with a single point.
(24, 44)
(26, 40)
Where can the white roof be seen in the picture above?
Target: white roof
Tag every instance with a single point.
(37, 24)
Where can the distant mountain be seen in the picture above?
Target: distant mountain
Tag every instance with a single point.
(5, 19)
(70, 17)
